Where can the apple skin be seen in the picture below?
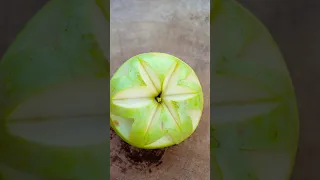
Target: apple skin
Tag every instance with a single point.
(138, 118)
(64, 42)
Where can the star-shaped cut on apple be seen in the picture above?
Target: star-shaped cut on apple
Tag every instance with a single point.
(156, 101)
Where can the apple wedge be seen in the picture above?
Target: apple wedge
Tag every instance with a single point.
(54, 94)
(255, 118)
(156, 101)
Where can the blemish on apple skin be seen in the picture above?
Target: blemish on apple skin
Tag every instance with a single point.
(115, 122)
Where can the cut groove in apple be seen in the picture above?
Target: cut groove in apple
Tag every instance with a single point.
(135, 93)
(241, 112)
(173, 86)
(155, 115)
(87, 97)
(151, 75)
(168, 77)
(132, 103)
(172, 113)
(235, 89)
(153, 102)
(147, 77)
(56, 116)
(65, 132)
(178, 97)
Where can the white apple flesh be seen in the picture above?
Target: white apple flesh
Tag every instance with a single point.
(156, 101)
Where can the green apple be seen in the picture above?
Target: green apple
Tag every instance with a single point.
(255, 118)
(54, 94)
(156, 101)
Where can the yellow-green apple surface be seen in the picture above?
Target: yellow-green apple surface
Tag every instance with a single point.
(255, 124)
(54, 94)
(156, 101)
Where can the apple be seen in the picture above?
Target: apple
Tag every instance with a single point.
(156, 101)
(54, 94)
(255, 124)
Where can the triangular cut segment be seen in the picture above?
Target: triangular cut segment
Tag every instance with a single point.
(230, 88)
(167, 79)
(78, 98)
(123, 125)
(70, 114)
(179, 97)
(237, 113)
(63, 132)
(195, 115)
(147, 78)
(171, 85)
(171, 111)
(135, 93)
(155, 115)
(162, 142)
(152, 75)
(132, 103)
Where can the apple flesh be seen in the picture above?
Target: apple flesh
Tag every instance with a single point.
(156, 101)
(255, 127)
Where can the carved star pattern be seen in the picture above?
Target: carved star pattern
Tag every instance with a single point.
(169, 90)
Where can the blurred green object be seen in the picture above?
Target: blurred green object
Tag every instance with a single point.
(54, 93)
(253, 107)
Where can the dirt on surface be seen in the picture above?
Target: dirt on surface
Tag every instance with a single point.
(128, 157)
(142, 156)
(172, 163)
